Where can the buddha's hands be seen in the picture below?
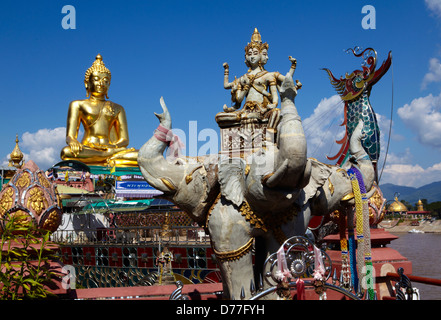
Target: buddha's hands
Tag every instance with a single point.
(97, 146)
(75, 146)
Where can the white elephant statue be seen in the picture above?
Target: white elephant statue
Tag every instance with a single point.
(262, 200)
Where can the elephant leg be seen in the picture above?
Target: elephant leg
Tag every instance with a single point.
(232, 243)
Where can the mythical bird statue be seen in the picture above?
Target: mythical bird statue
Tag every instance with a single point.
(355, 89)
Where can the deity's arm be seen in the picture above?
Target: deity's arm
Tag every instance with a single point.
(293, 66)
(290, 73)
(227, 83)
(73, 126)
(274, 95)
(121, 130)
(243, 87)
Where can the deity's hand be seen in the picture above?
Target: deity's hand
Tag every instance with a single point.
(226, 66)
(271, 105)
(293, 62)
(98, 146)
(75, 146)
(230, 109)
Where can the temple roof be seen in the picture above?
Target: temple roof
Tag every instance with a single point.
(397, 206)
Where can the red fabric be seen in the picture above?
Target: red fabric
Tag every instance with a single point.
(300, 289)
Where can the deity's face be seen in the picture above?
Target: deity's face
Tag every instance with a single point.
(253, 56)
(99, 83)
(264, 56)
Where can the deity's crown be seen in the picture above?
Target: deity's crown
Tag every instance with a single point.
(256, 42)
(98, 65)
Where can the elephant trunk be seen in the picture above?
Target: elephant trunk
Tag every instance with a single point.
(160, 173)
(186, 184)
(290, 158)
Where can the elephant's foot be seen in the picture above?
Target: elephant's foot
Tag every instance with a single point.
(232, 243)
(237, 274)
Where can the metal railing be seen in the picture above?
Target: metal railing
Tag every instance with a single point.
(132, 235)
(403, 285)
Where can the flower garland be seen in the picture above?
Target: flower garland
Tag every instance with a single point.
(364, 256)
(352, 250)
(344, 250)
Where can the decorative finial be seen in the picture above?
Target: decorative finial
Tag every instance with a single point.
(16, 156)
(256, 37)
(256, 42)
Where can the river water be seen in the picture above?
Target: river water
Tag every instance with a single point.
(424, 250)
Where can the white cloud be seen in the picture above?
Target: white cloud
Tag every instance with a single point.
(434, 6)
(44, 138)
(400, 158)
(434, 74)
(323, 128)
(411, 175)
(44, 146)
(423, 116)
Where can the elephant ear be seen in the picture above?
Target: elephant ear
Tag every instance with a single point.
(320, 173)
(232, 179)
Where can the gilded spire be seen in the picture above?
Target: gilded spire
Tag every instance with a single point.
(420, 206)
(16, 156)
(256, 37)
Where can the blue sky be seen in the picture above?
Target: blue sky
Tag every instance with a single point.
(175, 49)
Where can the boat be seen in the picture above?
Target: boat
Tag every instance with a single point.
(415, 231)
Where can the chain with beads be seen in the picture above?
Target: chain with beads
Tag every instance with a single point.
(345, 269)
(364, 257)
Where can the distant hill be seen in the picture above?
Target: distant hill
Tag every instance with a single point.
(431, 192)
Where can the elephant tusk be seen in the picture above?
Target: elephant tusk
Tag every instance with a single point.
(348, 197)
(168, 184)
(189, 177)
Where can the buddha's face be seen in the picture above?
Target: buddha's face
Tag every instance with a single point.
(253, 56)
(99, 83)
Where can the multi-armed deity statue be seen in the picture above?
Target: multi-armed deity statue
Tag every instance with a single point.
(106, 136)
(257, 87)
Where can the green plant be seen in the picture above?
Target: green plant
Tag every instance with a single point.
(25, 260)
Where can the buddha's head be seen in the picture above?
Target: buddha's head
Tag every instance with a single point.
(97, 78)
(256, 52)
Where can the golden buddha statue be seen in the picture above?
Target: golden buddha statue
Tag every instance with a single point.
(106, 134)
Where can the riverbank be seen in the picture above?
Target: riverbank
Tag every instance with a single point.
(406, 226)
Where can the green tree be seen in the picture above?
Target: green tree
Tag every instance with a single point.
(25, 261)
(434, 208)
